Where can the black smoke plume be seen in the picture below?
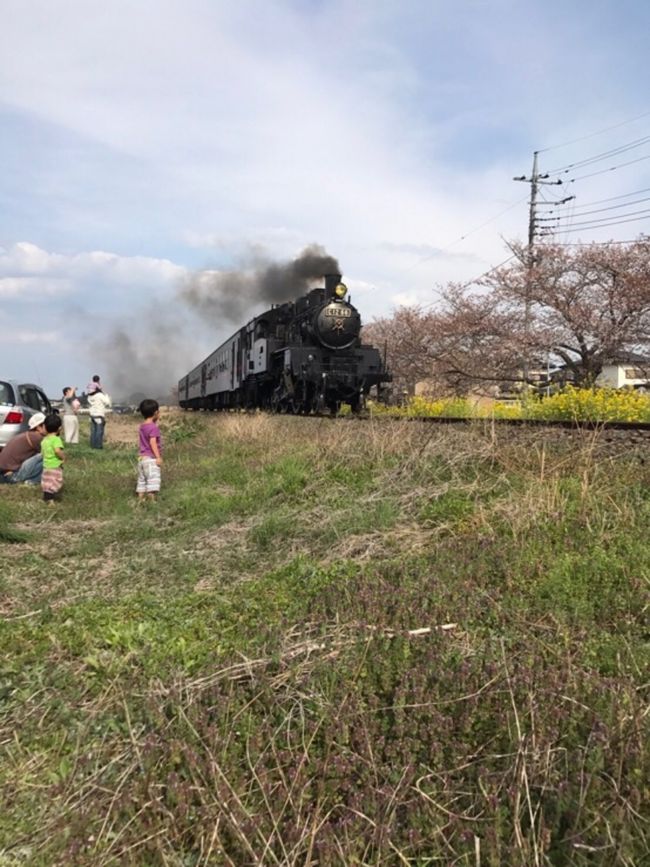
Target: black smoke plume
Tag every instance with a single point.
(145, 355)
(134, 368)
(233, 296)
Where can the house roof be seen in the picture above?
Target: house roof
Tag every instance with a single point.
(629, 358)
(623, 357)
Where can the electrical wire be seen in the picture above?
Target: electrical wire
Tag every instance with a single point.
(476, 279)
(602, 156)
(606, 219)
(614, 198)
(604, 171)
(593, 134)
(466, 235)
(546, 203)
(600, 210)
(580, 227)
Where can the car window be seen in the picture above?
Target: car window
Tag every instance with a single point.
(43, 402)
(6, 393)
(29, 397)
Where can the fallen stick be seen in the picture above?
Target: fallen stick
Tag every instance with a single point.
(423, 630)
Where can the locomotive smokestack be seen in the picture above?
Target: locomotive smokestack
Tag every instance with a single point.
(331, 282)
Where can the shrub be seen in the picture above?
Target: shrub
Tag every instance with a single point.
(571, 404)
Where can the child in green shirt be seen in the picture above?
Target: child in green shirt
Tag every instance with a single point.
(53, 457)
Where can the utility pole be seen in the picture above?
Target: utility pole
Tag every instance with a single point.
(534, 180)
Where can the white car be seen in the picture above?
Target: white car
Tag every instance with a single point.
(18, 402)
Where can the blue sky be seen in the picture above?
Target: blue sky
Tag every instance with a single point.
(143, 141)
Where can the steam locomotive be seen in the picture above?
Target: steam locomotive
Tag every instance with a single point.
(304, 356)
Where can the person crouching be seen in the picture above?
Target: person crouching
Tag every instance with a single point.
(21, 460)
(150, 451)
(53, 457)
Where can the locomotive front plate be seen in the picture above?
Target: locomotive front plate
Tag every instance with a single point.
(338, 312)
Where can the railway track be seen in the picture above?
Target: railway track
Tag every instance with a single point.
(631, 427)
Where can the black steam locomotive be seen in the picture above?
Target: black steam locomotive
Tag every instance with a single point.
(304, 356)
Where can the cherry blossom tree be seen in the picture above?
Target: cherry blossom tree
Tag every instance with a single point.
(586, 305)
(404, 338)
(581, 306)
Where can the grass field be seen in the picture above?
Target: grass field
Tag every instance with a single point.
(329, 642)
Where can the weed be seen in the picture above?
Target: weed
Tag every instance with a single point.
(8, 533)
(327, 642)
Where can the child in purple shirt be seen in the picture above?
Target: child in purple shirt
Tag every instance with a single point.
(150, 451)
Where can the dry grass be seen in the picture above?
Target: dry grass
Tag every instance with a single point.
(329, 643)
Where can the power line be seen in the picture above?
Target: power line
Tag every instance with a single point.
(489, 271)
(580, 227)
(614, 198)
(607, 219)
(602, 156)
(466, 235)
(597, 210)
(593, 134)
(604, 171)
(476, 279)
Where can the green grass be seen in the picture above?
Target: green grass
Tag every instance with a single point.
(327, 643)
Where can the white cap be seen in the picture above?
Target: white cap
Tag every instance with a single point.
(35, 420)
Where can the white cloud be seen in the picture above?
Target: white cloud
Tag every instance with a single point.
(360, 287)
(405, 299)
(28, 271)
(32, 337)
(33, 287)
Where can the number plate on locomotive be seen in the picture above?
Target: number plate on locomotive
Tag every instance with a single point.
(338, 312)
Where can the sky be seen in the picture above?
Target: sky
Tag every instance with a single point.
(144, 143)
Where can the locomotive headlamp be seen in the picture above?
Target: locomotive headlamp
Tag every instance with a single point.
(341, 290)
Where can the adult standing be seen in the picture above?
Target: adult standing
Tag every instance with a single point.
(21, 459)
(98, 404)
(70, 420)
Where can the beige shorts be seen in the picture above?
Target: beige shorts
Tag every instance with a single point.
(149, 476)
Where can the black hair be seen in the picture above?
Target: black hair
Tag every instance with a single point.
(96, 378)
(52, 423)
(148, 407)
(66, 388)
